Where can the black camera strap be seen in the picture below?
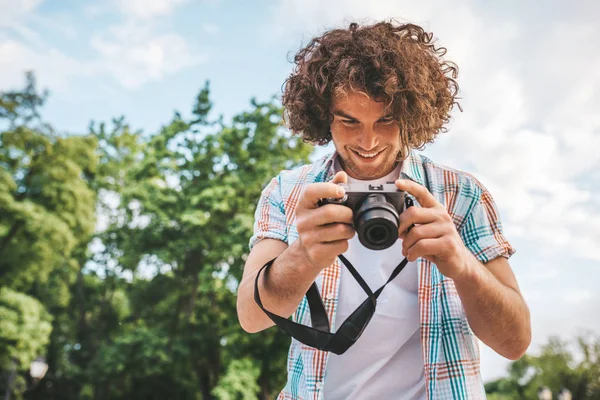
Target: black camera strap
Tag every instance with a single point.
(319, 335)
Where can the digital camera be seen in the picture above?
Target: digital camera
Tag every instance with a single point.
(376, 210)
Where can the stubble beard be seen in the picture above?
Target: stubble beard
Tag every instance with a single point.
(368, 172)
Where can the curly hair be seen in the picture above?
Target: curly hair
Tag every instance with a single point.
(398, 65)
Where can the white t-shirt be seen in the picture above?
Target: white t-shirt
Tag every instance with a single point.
(386, 361)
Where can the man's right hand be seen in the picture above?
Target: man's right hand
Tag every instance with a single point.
(323, 231)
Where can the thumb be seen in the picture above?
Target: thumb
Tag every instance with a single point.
(340, 177)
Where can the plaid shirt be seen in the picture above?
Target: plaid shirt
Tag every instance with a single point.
(449, 347)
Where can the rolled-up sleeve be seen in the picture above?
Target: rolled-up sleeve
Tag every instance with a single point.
(482, 231)
(269, 217)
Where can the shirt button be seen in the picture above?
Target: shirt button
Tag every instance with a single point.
(319, 385)
(329, 296)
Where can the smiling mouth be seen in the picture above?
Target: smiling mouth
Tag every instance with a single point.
(368, 155)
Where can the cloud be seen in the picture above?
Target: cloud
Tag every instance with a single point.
(211, 29)
(147, 9)
(13, 12)
(133, 52)
(578, 297)
(531, 135)
(52, 67)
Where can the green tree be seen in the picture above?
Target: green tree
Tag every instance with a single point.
(25, 328)
(46, 206)
(185, 212)
(561, 364)
(47, 209)
(144, 307)
(239, 382)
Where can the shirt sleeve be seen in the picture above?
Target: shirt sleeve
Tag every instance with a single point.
(482, 231)
(269, 217)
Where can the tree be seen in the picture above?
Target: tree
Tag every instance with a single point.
(186, 208)
(143, 307)
(46, 206)
(556, 367)
(25, 329)
(47, 209)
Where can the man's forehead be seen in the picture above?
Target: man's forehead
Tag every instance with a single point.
(357, 102)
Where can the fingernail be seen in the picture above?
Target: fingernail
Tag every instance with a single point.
(341, 191)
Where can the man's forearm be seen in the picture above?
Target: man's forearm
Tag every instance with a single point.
(282, 286)
(497, 313)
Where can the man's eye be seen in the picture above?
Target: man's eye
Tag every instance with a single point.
(349, 121)
(387, 120)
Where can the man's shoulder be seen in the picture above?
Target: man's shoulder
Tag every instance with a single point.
(315, 171)
(443, 178)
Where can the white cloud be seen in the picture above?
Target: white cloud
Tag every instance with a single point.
(577, 297)
(13, 12)
(136, 51)
(52, 67)
(147, 9)
(211, 29)
(134, 54)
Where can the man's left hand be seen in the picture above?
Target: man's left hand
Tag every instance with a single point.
(429, 232)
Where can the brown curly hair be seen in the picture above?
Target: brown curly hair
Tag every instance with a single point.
(396, 64)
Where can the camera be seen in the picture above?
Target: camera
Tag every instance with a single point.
(376, 210)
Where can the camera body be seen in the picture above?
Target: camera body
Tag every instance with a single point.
(376, 210)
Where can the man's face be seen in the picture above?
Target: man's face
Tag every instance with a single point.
(366, 138)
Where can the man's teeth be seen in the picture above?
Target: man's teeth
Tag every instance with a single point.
(369, 155)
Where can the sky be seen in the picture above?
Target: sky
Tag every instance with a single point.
(529, 76)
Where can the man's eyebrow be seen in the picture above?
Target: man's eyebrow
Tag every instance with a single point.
(342, 114)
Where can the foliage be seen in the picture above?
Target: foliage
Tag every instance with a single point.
(135, 243)
(556, 367)
(239, 381)
(25, 329)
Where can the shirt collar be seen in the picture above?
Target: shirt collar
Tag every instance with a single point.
(412, 167)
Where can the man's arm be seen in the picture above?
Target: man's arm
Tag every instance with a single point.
(495, 309)
(281, 287)
(494, 306)
(323, 234)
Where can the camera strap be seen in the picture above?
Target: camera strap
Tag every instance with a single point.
(319, 335)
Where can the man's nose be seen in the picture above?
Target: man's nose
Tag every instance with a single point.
(368, 139)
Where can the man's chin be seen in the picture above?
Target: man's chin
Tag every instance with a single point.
(366, 172)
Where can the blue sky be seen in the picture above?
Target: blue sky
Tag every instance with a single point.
(529, 77)
(84, 56)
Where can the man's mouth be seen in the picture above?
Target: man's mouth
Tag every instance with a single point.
(371, 154)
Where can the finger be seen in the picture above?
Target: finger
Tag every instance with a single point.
(317, 191)
(334, 232)
(330, 249)
(421, 232)
(420, 192)
(423, 248)
(415, 215)
(340, 177)
(331, 213)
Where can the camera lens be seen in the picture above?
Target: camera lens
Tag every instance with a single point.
(376, 222)
(376, 234)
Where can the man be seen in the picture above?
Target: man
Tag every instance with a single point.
(378, 92)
